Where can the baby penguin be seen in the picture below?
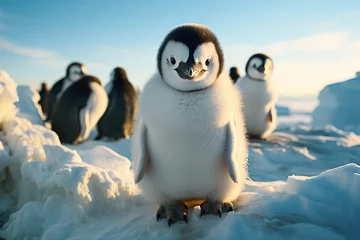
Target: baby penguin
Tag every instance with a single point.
(234, 74)
(74, 72)
(189, 142)
(119, 117)
(79, 109)
(259, 96)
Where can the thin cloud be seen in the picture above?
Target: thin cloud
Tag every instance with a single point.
(323, 42)
(43, 56)
(25, 51)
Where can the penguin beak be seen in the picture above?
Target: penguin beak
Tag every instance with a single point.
(189, 71)
(261, 69)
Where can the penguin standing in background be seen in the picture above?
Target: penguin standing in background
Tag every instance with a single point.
(189, 142)
(118, 120)
(259, 96)
(74, 72)
(44, 93)
(234, 74)
(79, 109)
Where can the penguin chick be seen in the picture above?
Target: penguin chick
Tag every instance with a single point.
(259, 96)
(189, 141)
(234, 74)
(44, 93)
(79, 109)
(118, 120)
(74, 72)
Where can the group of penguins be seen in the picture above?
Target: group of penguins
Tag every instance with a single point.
(192, 120)
(77, 103)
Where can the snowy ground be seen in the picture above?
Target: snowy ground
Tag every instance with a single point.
(305, 185)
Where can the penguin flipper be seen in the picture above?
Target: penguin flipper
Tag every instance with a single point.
(84, 124)
(143, 160)
(230, 154)
(269, 116)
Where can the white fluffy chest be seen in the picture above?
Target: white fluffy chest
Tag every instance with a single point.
(186, 132)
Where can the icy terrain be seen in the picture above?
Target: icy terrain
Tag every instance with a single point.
(305, 185)
(339, 105)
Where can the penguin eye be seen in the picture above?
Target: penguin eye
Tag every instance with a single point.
(172, 61)
(254, 65)
(207, 62)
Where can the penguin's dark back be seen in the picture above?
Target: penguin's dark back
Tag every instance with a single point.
(54, 91)
(118, 119)
(65, 120)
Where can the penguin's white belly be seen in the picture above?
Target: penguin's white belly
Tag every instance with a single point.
(258, 99)
(187, 159)
(256, 117)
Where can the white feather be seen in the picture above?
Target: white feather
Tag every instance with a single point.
(259, 98)
(186, 135)
(94, 109)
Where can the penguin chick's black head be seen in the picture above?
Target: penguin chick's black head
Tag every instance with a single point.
(191, 35)
(44, 86)
(234, 74)
(73, 64)
(119, 73)
(262, 57)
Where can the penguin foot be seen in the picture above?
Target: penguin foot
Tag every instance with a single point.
(174, 211)
(215, 207)
(254, 137)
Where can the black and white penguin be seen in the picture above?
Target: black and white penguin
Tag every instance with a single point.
(79, 109)
(44, 94)
(259, 96)
(189, 140)
(74, 72)
(234, 74)
(119, 117)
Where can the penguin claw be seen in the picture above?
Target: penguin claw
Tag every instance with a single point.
(215, 207)
(170, 221)
(185, 217)
(174, 211)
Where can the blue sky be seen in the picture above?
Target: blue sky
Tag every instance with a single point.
(312, 43)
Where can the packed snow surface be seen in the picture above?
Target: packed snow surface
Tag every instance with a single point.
(305, 184)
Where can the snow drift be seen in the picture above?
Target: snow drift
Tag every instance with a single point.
(8, 96)
(339, 106)
(54, 189)
(282, 110)
(28, 104)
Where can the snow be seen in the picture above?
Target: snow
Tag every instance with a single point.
(282, 110)
(8, 96)
(339, 106)
(28, 104)
(304, 184)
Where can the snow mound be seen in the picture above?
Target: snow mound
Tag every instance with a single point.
(27, 139)
(8, 96)
(326, 206)
(57, 188)
(282, 110)
(301, 150)
(28, 104)
(339, 106)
